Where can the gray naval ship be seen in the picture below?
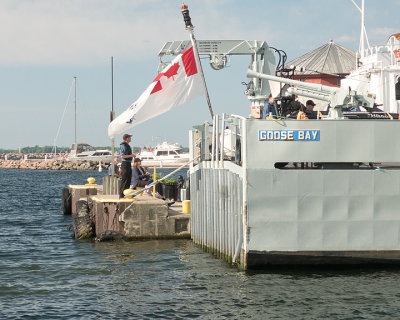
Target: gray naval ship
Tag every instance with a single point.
(284, 191)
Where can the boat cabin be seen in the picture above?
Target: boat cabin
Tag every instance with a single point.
(82, 147)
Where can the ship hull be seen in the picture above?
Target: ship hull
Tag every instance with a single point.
(338, 205)
(260, 259)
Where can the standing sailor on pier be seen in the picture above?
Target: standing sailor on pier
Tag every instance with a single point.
(126, 167)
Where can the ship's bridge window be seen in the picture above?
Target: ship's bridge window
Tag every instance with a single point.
(398, 88)
(162, 153)
(173, 152)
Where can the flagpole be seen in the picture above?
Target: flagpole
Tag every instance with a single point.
(189, 27)
(112, 116)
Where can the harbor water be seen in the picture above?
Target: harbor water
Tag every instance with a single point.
(46, 274)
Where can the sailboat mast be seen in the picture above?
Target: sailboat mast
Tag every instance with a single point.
(112, 85)
(112, 115)
(75, 109)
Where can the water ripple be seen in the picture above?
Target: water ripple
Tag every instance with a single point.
(44, 273)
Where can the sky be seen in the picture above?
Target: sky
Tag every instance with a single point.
(45, 43)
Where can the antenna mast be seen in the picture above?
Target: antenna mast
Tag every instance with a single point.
(362, 43)
(75, 108)
(363, 35)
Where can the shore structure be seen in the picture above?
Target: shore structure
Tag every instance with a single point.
(46, 162)
(42, 161)
(98, 212)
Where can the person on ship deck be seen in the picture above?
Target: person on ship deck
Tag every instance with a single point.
(270, 109)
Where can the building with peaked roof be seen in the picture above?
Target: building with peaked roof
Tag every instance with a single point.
(325, 65)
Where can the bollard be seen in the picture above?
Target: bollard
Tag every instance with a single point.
(91, 181)
(186, 206)
(128, 191)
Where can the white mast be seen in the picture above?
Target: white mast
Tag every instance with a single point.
(362, 43)
(363, 34)
(112, 115)
(75, 108)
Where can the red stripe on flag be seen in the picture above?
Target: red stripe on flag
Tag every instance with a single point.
(189, 62)
(156, 88)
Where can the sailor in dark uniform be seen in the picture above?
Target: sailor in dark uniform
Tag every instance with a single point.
(126, 163)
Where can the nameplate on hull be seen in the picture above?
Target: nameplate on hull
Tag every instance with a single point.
(288, 135)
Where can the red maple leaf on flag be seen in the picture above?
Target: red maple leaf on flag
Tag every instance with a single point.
(171, 72)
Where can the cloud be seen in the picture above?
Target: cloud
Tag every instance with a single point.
(74, 32)
(379, 36)
(87, 32)
(78, 32)
(346, 39)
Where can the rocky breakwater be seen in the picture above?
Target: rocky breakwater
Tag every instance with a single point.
(51, 164)
(16, 156)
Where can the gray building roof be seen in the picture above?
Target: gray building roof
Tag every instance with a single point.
(329, 58)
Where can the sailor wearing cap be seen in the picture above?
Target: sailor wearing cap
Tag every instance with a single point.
(311, 114)
(126, 156)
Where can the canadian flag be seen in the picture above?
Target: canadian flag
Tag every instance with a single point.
(179, 82)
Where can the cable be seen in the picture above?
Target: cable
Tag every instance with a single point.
(62, 118)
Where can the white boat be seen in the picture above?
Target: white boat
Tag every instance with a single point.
(85, 152)
(163, 155)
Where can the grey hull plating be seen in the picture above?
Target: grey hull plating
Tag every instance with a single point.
(254, 214)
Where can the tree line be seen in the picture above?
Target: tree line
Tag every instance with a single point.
(50, 149)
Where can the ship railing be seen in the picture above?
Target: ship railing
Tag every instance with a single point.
(219, 143)
(218, 187)
(392, 49)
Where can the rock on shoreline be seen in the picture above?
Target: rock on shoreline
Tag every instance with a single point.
(50, 164)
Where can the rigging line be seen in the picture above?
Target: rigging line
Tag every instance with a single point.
(62, 118)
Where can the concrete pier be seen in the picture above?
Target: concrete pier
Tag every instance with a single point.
(142, 217)
(82, 191)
